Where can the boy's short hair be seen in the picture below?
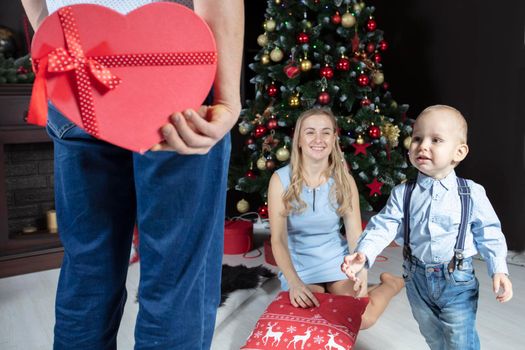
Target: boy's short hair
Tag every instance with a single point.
(462, 121)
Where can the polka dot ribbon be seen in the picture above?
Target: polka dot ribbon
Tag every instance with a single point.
(85, 68)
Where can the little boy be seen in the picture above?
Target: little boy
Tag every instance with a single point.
(448, 220)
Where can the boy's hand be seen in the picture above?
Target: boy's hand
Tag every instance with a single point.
(353, 264)
(503, 281)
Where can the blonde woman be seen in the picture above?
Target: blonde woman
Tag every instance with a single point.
(307, 200)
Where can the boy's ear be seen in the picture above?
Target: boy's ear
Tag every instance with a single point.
(461, 152)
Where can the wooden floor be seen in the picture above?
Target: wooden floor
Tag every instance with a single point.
(27, 313)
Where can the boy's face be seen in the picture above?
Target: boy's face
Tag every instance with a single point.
(437, 143)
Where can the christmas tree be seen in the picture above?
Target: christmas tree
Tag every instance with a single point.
(322, 53)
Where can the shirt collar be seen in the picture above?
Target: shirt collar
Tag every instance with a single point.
(447, 182)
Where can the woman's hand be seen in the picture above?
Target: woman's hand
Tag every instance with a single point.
(302, 296)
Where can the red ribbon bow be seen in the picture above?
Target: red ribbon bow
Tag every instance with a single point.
(61, 61)
(73, 60)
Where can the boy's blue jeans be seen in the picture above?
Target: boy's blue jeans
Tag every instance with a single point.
(178, 203)
(444, 304)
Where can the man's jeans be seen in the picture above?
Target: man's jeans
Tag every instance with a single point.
(444, 304)
(178, 203)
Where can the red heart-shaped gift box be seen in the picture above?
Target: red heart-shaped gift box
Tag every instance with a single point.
(120, 77)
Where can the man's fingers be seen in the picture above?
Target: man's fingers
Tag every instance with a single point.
(173, 142)
(192, 138)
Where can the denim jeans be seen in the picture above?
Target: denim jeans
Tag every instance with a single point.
(444, 304)
(178, 203)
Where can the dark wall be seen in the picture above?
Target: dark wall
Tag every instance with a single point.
(468, 54)
(12, 17)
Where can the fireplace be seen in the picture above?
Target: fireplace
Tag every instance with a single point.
(26, 189)
(29, 187)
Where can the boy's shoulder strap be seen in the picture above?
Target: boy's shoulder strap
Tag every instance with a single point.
(464, 196)
(409, 187)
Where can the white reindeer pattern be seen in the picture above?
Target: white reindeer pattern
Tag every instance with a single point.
(331, 342)
(301, 338)
(271, 334)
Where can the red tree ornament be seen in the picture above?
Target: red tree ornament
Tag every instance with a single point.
(336, 18)
(272, 90)
(385, 86)
(272, 123)
(302, 38)
(377, 58)
(260, 130)
(374, 132)
(270, 164)
(383, 45)
(22, 70)
(370, 47)
(365, 102)
(360, 148)
(326, 72)
(251, 174)
(291, 71)
(363, 80)
(343, 64)
(324, 98)
(249, 141)
(263, 211)
(371, 25)
(375, 187)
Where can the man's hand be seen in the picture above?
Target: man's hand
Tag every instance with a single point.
(503, 281)
(353, 264)
(196, 132)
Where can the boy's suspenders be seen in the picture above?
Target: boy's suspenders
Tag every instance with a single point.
(464, 196)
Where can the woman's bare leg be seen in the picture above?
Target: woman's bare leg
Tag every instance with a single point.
(378, 297)
(316, 288)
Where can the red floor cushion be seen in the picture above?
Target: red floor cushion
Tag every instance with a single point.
(332, 325)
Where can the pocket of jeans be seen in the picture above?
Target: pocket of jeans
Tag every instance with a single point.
(60, 127)
(464, 276)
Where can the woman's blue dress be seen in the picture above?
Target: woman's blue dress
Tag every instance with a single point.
(316, 246)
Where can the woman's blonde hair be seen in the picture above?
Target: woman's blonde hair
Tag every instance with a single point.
(337, 169)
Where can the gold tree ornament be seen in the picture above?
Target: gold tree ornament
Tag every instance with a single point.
(348, 20)
(378, 77)
(306, 65)
(242, 206)
(243, 129)
(262, 40)
(265, 59)
(261, 163)
(276, 55)
(360, 140)
(294, 101)
(407, 142)
(391, 133)
(282, 154)
(269, 25)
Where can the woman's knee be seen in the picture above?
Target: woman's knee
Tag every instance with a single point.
(367, 321)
